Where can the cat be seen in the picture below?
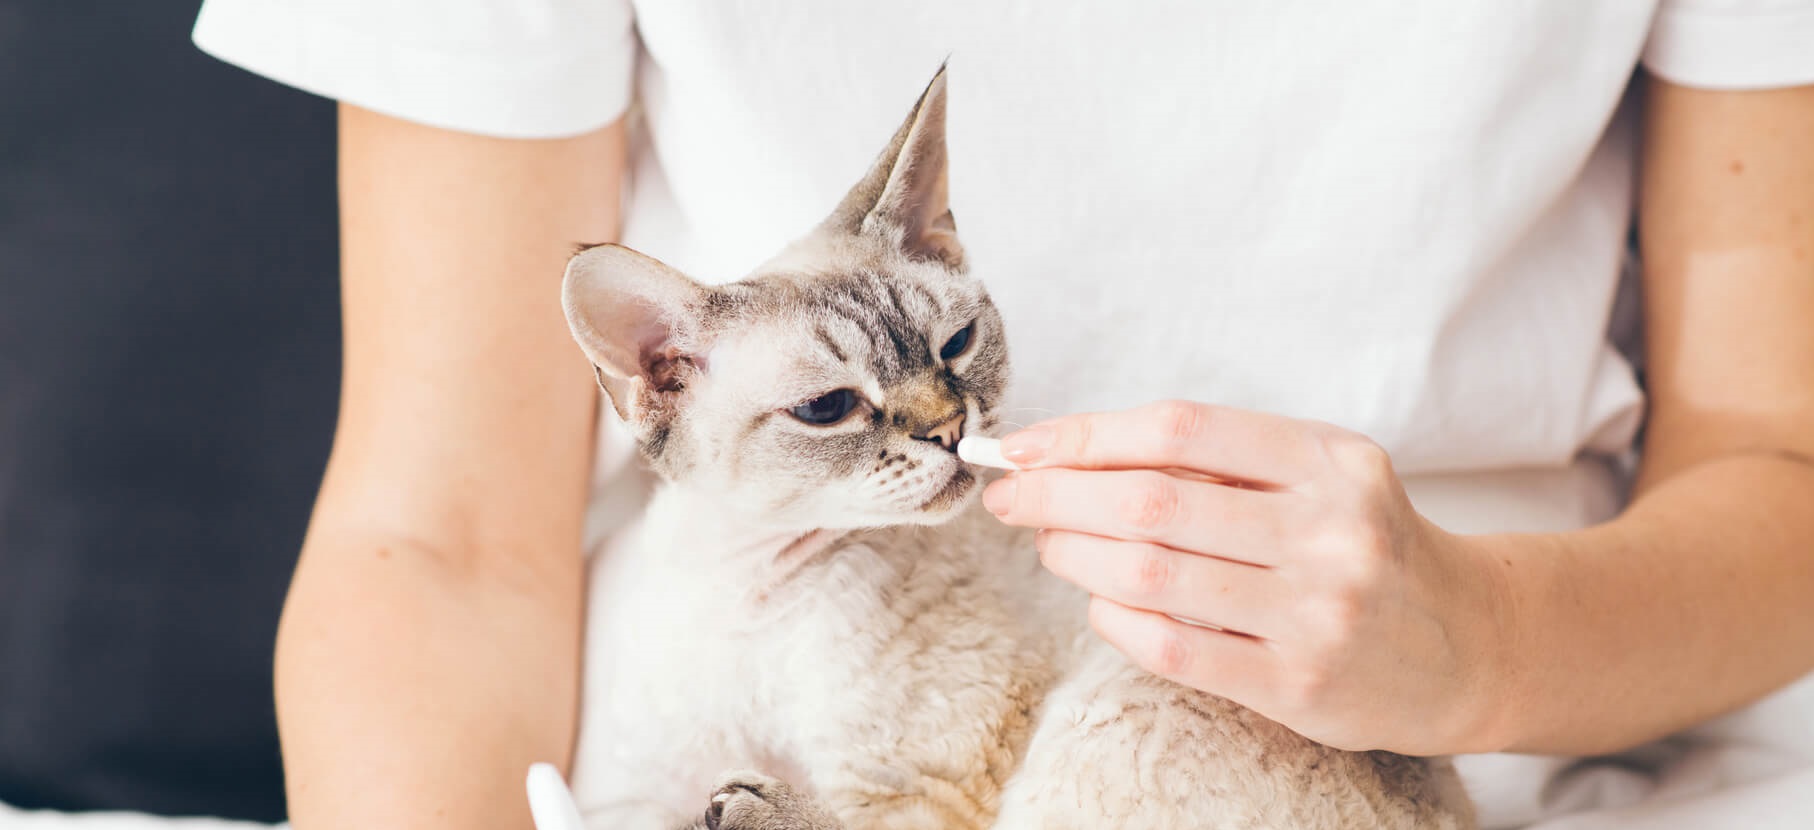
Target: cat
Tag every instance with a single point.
(812, 592)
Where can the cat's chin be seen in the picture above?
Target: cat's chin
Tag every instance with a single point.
(935, 506)
(949, 500)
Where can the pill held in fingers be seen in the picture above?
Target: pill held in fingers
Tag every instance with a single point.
(984, 452)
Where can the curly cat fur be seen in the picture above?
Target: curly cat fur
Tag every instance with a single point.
(825, 606)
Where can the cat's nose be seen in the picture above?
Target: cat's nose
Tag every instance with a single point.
(945, 434)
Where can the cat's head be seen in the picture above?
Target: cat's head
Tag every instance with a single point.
(829, 387)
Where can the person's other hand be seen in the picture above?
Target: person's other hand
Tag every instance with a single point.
(1336, 609)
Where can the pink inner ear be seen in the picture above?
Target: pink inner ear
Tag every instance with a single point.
(637, 338)
(667, 370)
(936, 240)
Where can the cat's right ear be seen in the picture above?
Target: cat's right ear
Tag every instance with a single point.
(637, 320)
(905, 196)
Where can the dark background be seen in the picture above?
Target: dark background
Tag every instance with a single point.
(169, 349)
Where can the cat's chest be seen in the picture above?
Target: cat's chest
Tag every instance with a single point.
(695, 661)
(679, 635)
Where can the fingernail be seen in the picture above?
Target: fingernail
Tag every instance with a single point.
(1029, 445)
(999, 497)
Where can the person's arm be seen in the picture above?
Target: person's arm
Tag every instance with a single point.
(430, 645)
(1353, 620)
(1700, 597)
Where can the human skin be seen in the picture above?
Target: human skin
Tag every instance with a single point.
(1357, 622)
(429, 648)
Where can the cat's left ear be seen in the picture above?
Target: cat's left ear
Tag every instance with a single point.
(637, 320)
(905, 195)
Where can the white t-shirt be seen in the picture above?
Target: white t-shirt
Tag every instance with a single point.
(1410, 219)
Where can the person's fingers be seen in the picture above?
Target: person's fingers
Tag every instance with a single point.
(1151, 577)
(1231, 665)
(1218, 441)
(1146, 506)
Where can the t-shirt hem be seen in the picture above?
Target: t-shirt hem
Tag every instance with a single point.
(547, 95)
(1724, 50)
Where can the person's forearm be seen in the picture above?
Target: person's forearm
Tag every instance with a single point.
(1692, 603)
(429, 649)
(418, 691)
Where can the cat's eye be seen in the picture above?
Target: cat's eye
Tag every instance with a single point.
(957, 344)
(826, 409)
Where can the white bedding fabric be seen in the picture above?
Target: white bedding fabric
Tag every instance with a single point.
(1752, 769)
(1706, 786)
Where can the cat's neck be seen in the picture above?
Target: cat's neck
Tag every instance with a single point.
(698, 527)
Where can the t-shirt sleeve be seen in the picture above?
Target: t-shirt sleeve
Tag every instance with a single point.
(508, 68)
(1733, 44)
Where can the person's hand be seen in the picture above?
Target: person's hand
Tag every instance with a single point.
(1336, 609)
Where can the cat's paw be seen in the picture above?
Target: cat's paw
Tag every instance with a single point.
(745, 800)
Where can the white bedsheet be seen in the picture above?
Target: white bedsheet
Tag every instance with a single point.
(1744, 772)
(1751, 769)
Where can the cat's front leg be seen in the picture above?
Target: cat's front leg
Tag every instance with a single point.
(746, 800)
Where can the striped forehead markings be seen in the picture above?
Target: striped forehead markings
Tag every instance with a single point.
(871, 304)
(830, 344)
(880, 307)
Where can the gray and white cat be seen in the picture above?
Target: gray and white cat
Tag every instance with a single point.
(811, 594)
